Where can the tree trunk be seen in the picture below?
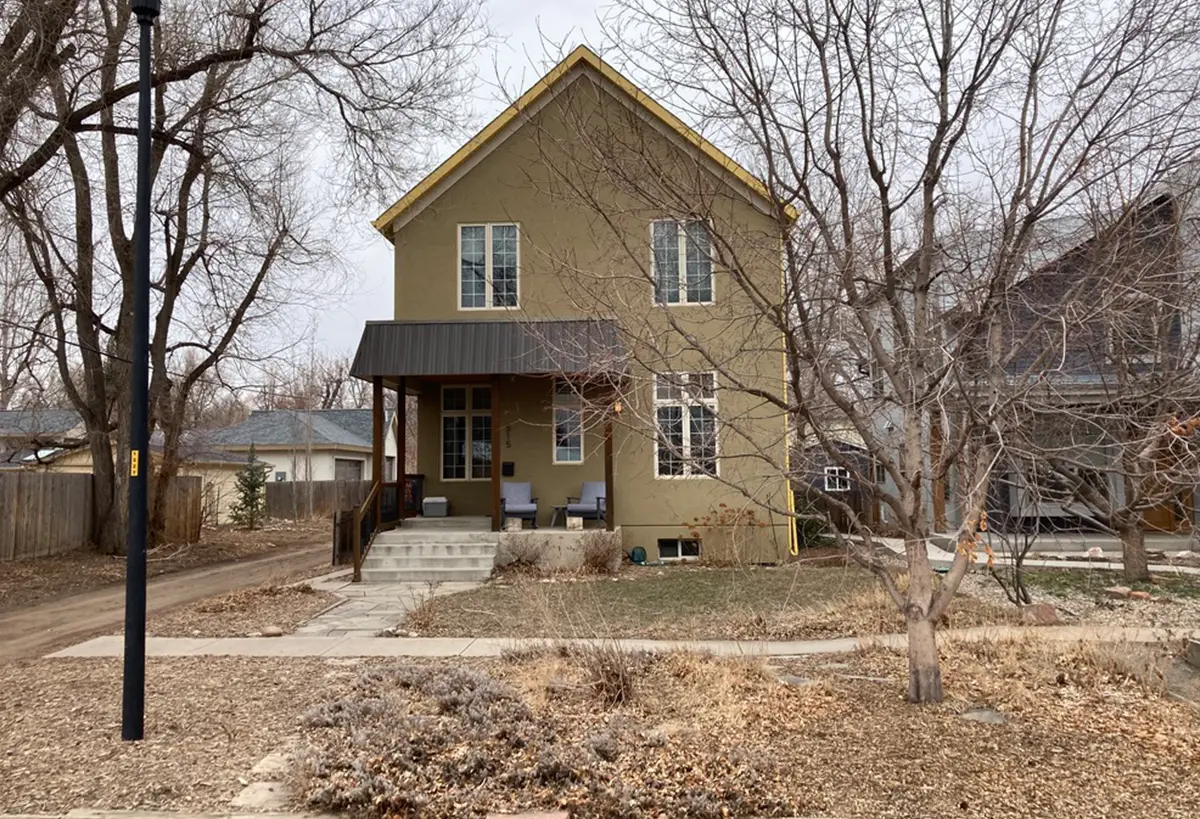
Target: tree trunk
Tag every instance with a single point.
(924, 673)
(108, 530)
(1133, 552)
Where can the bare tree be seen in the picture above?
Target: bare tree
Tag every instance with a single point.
(23, 319)
(898, 131)
(248, 97)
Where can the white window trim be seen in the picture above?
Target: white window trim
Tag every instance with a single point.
(681, 557)
(686, 401)
(467, 413)
(841, 479)
(487, 271)
(681, 238)
(565, 401)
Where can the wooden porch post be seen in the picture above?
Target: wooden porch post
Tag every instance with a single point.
(402, 448)
(610, 515)
(377, 442)
(495, 452)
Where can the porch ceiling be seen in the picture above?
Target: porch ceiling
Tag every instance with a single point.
(445, 348)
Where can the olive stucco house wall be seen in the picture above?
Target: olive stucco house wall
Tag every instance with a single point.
(553, 189)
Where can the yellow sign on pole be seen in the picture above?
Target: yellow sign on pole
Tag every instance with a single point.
(133, 463)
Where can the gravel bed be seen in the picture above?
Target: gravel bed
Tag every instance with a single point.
(1174, 612)
(244, 612)
(208, 722)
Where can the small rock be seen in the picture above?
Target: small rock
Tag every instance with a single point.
(1095, 552)
(388, 632)
(834, 666)
(272, 631)
(988, 715)
(1040, 614)
(792, 679)
(615, 579)
(1139, 595)
(1117, 592)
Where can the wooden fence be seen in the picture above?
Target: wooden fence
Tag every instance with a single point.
(47, 513)
(301, 500)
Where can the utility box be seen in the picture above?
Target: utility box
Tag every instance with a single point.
(435, 507)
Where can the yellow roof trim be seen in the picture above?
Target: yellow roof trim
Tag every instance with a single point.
(582, 54)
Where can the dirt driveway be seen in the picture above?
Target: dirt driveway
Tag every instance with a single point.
(40, 628)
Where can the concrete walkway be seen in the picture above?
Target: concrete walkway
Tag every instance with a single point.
(308, 646)
(370, 607)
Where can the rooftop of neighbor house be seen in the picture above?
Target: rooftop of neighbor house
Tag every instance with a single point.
(320, 428)
(38, 424)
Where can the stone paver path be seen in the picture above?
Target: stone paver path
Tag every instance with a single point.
(345, 646)
(370, 607)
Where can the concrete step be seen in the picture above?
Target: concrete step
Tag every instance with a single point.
(432, 549)
(435, 536)
(374, 561)
(464, 575)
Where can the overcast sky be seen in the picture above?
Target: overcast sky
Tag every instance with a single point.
(528, 29)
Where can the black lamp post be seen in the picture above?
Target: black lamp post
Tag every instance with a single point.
(133, 700)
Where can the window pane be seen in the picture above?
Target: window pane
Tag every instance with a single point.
(481, 398)
(473, 265)
(667, 387)
(568, 435)
(668, 549)
(666, 261)
(454, 399)
(703, 434)
(504, 265)
(454, 447)
(481, 446)
(689, 548)
(699, 263)
(702, 386)
(670, 440)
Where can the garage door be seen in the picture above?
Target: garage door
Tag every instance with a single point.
(347, 469)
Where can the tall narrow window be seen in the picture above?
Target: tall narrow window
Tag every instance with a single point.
(682, 259)
(466, 433)
(686, 415)
(568, 425)
(489, 262)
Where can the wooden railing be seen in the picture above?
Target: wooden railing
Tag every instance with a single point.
(364, 529)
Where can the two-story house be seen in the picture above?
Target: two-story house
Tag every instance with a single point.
(559, 329)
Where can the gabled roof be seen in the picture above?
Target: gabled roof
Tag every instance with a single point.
(320, 428)
(38, 424)
(581, 56)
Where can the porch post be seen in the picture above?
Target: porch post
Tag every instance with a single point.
(495, 452)
(610, 515)
(402, 448)
(377, 443)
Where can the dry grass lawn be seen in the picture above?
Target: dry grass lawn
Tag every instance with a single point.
(782, 603)
(31, 581)
(608, 735)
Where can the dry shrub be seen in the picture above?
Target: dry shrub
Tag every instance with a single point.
(610, 671)
(602, 552)
(524, 553)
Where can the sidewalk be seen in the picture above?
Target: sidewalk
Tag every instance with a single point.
(346, 646)
(939, 558)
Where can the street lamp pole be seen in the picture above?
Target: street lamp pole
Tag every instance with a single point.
(133, 699)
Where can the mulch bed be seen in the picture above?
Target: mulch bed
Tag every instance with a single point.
(244, 612)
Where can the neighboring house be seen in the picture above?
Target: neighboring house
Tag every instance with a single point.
(1096, 341)
(217, 470)
(317, 445)
(850, 477)
(25, 432)
(521, 377)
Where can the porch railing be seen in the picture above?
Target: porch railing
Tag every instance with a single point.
(381, 510)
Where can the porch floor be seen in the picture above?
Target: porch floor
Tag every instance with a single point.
(453, 523)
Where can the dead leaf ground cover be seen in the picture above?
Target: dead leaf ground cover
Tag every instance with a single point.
(608, 735)
(208, 721)
(795, 601)
(35, 580)
(244, 612)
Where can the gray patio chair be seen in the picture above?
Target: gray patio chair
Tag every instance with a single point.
(515, 502)
(591, 503)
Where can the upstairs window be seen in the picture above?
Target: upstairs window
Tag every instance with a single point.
(837, 479)
(682, 262)
(685, 410)
(487, 268)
